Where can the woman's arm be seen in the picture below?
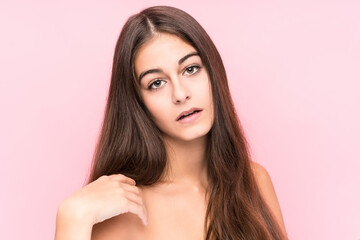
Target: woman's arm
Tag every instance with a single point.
(101, 199)
(71, 226)
(268, 193)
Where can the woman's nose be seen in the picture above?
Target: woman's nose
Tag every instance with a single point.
(180, 92)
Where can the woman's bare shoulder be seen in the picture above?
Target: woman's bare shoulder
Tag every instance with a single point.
(267, 191)
(261, 174)
(265, 185)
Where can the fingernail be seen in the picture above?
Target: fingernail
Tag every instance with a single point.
(145, 222)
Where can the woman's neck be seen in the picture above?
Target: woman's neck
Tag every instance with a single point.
(186, 163)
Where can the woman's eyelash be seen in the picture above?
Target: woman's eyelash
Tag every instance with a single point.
(197, 67)
(152, 84)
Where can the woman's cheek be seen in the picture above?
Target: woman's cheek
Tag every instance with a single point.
(157, 107)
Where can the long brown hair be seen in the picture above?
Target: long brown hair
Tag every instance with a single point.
(131, 144)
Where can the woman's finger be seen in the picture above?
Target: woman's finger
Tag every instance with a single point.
(122, 178)
(138, 210)
(130, 188)
(134, 197)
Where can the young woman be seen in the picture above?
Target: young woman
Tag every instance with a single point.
(172, 161)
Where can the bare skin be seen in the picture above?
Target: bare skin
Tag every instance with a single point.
(173, 208)
(113, 207)
(176, 205)
(176, 211)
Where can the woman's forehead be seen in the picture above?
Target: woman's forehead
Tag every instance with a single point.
(161, 49)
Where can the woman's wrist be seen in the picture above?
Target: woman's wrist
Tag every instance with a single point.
(72, 223)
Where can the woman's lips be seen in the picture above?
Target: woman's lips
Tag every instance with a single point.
(190, 118)
(184, 113)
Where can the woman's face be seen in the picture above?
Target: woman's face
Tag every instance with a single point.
(175, 87)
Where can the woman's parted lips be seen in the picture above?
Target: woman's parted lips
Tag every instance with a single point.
(187, 112)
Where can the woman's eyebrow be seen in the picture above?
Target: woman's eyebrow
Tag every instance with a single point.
(157, 70)
(187, 56)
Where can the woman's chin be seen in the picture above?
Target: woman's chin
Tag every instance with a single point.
(187, 136)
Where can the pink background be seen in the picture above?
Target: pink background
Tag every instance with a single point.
(294, 72)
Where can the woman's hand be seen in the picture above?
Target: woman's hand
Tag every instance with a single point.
(102, 199)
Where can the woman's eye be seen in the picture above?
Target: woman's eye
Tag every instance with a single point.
(156, 84)
(191, 70)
